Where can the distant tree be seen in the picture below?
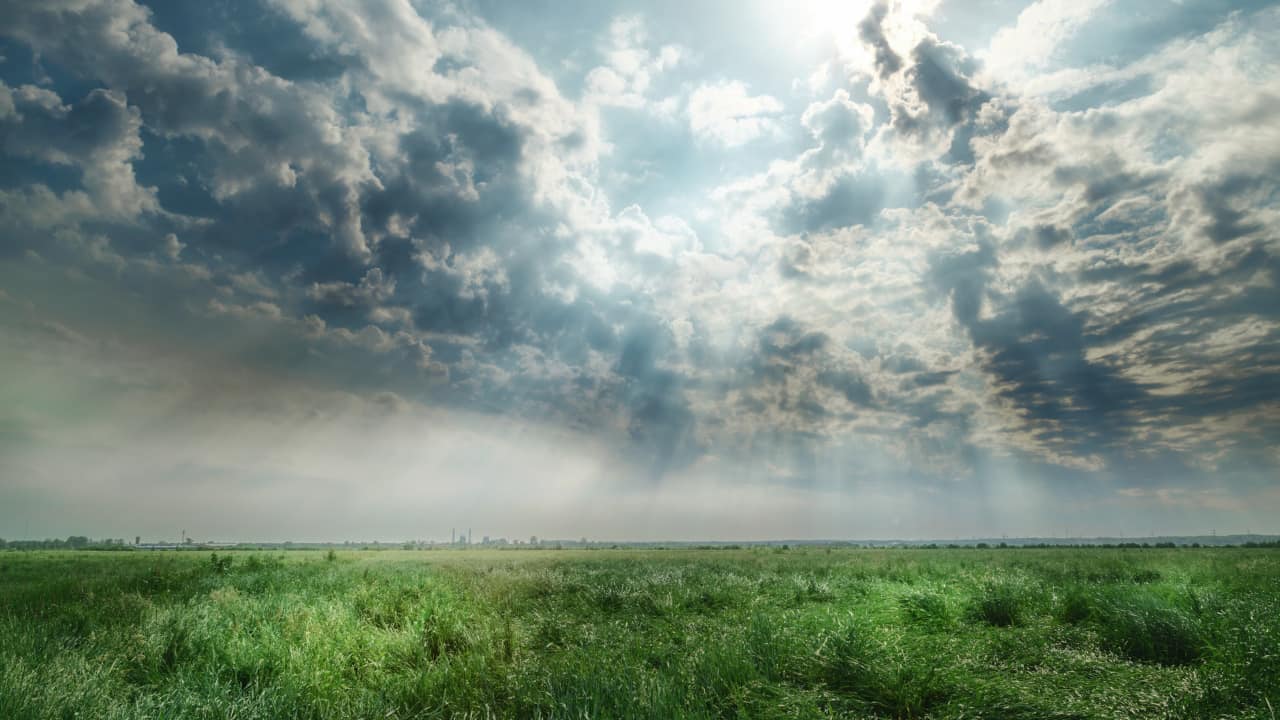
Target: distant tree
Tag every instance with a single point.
(221, 564)
(77, 541)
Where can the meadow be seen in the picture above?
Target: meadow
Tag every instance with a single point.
(683, 633)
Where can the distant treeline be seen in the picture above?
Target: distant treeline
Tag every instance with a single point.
(74, 542)
(81, 542)
(987, 546)
(1017, 546)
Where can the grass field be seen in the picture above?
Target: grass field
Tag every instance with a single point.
(760, 633)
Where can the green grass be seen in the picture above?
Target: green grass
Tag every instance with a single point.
(752, 633)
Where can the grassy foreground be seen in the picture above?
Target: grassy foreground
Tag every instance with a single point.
(761, 633)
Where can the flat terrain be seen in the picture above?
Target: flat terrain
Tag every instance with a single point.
(759, 633)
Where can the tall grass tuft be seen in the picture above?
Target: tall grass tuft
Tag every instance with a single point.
(878, 678)
(998, 603)
(1146, 627)
(1074, 606)
(925, 608)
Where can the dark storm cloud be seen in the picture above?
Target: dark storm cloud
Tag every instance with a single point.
(871, 31)
(1187, 306)
(41, 126)
(851, 385)
(939, 73)
(418, 236)
(1044, 237)
(1228, 204)
(457, 177)
(795, 371)
(964, 276)
(1035, 349)
(271, 40)
(1102, 181)
(267, 151)
(851, 200)
(929, 91)
(783, 344)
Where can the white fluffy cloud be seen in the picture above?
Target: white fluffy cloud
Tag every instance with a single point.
(626, 78)
(727, 113)
(1029, 44)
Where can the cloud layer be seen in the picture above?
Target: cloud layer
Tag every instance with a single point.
(924, 278)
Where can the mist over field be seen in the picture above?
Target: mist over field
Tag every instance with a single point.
(379, 269)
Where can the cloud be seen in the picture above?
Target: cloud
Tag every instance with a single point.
(839, 125)
(1031, 42)
(1028, 272)
(372, 289)
(727, 113)
(99, 136)
(1207, 498)
(626, 78)
(172, 247)
(925, 82)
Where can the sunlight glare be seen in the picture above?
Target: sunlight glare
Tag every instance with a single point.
(836, 20)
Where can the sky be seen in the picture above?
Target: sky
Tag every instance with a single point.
(376, 269)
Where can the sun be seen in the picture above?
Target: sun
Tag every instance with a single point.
(810, 20)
